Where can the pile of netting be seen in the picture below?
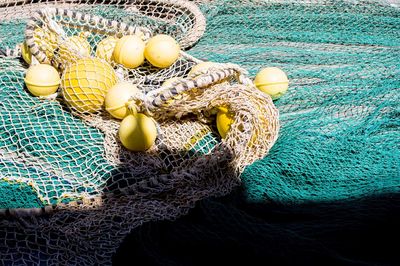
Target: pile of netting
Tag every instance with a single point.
(64, 171)
(70, 192)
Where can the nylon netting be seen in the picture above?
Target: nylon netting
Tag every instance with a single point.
(339, 137)
(67, 162)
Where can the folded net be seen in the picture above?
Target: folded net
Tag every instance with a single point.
(66, 180)
(338, 141)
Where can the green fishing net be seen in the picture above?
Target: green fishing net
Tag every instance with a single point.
(339, 135)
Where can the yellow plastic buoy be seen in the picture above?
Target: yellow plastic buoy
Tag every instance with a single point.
(203, 66)
(117, 99)
(167, 83)
(224, 121)
(129, 51)
(137, 132)
(45, 40)
(105, 48)
(162, 51)
(73, 48)
(85, 83)
(26, 53)
(272, 81)
(42, 80)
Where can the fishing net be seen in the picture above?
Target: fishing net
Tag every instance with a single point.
(71, 193)
(61, 156)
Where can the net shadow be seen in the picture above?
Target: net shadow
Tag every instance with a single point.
(85, 235)
(230, 230)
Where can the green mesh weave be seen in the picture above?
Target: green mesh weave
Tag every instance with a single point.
(340, 134)
(41, 131)
(340, 120)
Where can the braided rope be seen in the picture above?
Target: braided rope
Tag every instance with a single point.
(201, 80)
(153, 102)
(112, 27)
(198, 28)
(192, 35)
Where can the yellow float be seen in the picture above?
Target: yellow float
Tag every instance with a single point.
(117, 99)
(42, 80)
(73, 48)
(224, 121)
(129, 51)
(105, 48)
(203, 66)
(162, 51)
(26, 53)
(272, 81)
(137, 132)
(169, 82)
(85, 83)
(46, 40)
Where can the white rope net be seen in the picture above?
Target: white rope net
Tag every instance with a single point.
(79, 191)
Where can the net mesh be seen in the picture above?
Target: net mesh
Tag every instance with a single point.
(68, 156)
(339, 135)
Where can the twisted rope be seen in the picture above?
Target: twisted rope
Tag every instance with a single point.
(112, 27)
(191, 37)
(151, 102)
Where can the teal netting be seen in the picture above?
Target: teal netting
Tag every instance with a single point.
(340, 134)
(340, 120)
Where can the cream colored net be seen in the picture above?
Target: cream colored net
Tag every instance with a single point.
(95, 191)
